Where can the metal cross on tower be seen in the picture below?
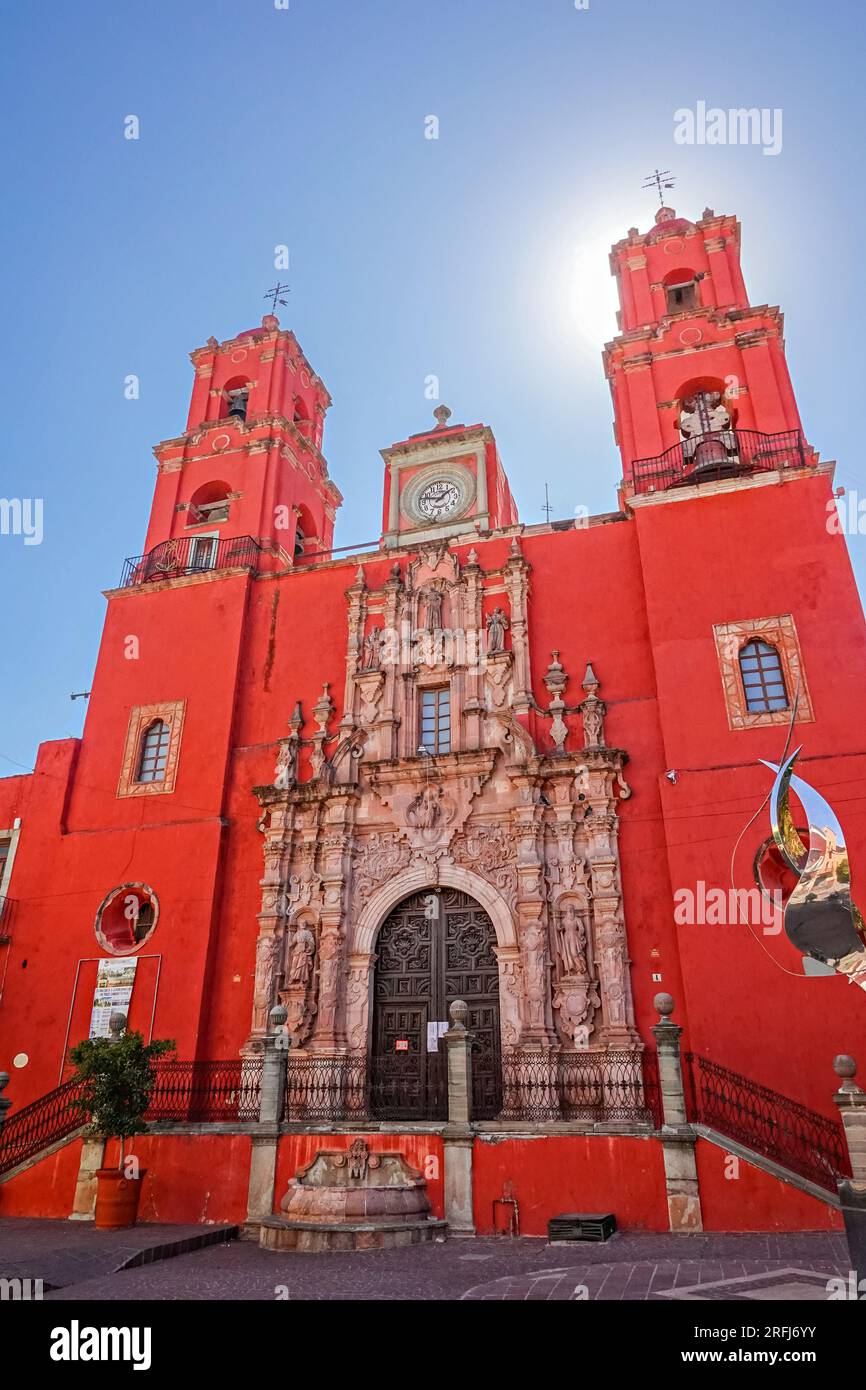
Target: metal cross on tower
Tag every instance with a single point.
(660, 179)
(274, 296)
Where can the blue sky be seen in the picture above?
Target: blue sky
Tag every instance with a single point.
(479, 257)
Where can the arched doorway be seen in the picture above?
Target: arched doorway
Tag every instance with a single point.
(434, 947)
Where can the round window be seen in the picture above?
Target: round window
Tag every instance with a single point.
(126, 918)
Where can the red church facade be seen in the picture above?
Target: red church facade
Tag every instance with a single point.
(485, 760)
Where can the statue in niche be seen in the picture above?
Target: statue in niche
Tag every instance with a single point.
(373, 649)
(497, 626)
(571, 941)
(430, 602)
(303, 955)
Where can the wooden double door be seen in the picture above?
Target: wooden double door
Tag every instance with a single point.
(435, 947)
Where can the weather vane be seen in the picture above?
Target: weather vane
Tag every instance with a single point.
(547, 508)
(660, 179)
(275, 294)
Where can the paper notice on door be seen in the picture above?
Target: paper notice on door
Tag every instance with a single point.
(434, 1032)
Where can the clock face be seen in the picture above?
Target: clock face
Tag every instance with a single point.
(439, 499)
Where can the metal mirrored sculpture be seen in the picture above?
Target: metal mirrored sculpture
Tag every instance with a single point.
(821, 920)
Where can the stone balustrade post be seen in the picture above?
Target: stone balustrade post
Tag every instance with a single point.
(851, 1100)
(263, 1156)
(667, 1035)
(457, 1137)
(677, 1136)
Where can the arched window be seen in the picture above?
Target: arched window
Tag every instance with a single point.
(763, 677)
(154, 752)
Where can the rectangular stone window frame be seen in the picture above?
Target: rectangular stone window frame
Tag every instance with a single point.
(172, 713)
(780, 632)
(9, 842)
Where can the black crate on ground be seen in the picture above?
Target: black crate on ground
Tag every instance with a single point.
(582, 1226)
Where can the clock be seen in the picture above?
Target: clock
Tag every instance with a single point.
(439, 495)
(439, 499)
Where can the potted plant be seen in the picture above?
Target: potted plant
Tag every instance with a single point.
(118, 1078)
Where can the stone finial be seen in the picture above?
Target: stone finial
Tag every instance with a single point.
(443, 415)
(708, 213)
(278, 1015)
(590, 680)
(297, 718)
(270, 323)
(458, 1013)
(846, 1069)
(555, 677)
(664, 1004)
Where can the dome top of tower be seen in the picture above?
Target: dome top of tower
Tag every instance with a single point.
(668, 224)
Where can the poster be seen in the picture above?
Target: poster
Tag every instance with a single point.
(114, 982)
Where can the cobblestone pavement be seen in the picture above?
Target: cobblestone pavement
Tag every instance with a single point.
(628, 1267)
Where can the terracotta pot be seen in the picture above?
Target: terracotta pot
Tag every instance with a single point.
(117, 1199)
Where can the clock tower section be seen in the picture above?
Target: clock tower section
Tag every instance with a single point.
(447, 481)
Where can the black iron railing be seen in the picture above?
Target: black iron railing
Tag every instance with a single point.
(720, 454)
(766, 1122)
(31, 1129)
(191, 555)
(326, 1088)
(594, 1086)
(206, 1092)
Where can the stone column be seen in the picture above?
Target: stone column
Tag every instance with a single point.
(263, 1158)
(851, 1100)
(457, 1137)
(677, 1135)
(84, 1200)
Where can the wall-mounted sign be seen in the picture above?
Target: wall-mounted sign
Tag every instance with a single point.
(114, 982)
(434, 1032)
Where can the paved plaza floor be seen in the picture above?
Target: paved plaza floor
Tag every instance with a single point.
(78, 1263)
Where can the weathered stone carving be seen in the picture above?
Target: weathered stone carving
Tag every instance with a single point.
(538, 828)
(497, 626)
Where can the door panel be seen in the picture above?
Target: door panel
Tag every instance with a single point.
(435, 947)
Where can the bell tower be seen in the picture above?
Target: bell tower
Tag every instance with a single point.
(250, 463)
(698, 374)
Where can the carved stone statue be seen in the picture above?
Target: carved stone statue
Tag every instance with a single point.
(285, 773)
(430, 601)
(497, 626)
(372, 649)
(571, 941)
(303, 954)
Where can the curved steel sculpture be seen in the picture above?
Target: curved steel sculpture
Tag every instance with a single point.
(820, 918)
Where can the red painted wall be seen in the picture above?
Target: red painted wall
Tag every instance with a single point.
(755, 1201)
(47, 1189)
(553, 1174)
